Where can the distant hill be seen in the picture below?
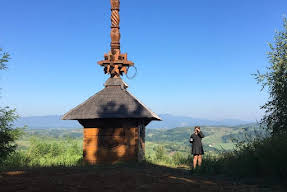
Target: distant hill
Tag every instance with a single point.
(172, 121)
(45, 122)
(216, 137)
(168, 122)
(179, 133)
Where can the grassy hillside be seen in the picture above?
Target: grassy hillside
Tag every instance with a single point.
(63, 147)
(172, 140)
(216, 138)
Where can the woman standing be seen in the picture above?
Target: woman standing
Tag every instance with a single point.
(197, 149)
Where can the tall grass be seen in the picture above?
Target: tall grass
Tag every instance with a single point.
(46, 153)
(159, 155)
(254, 156)
(257, 157)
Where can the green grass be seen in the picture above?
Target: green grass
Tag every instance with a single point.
(41, 152)
(174, 142)
(251, 156)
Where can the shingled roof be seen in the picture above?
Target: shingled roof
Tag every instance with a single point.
(114, 101)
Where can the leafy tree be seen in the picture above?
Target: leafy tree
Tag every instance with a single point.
(8, 134)
(275, 80)
(4, 57)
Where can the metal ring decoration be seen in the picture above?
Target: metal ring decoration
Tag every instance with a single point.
(134, 75)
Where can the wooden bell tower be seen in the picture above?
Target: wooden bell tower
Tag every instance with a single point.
(113, 120)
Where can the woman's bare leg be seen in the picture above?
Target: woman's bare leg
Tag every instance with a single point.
(199, 160)
(194, 161)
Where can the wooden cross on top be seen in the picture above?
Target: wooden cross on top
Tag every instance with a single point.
(115, 63)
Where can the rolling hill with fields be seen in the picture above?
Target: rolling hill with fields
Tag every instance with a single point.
(176, 139)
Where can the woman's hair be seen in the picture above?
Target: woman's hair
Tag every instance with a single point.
(196, 127)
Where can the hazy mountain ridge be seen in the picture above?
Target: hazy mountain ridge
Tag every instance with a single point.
(172, 121)
(45, 122)
(168, 122)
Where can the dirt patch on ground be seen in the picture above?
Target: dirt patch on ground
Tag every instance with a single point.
(117, 178)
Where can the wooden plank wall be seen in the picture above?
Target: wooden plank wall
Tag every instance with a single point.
(110, 144)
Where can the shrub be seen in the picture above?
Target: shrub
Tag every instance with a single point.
(257, 157)
(15, 160)
(66, 152)
(181, 159)
(8, 134)
(160, 153)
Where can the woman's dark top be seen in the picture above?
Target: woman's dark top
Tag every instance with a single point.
(197, 148)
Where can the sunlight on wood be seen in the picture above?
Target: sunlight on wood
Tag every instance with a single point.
(12, 173)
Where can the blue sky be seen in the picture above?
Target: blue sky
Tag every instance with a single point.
(193, 57)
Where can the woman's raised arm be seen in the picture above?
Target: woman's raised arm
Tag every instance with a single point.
(200, 134)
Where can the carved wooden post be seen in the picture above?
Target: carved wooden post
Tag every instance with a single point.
(115, 26)
(115, 62)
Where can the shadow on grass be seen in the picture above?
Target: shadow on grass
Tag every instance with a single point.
(127, 176)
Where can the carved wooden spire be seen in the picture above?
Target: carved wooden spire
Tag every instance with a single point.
(115, 25)
(115, 63)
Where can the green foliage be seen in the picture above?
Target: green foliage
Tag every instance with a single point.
(211, 164)
(160, 153)
(8, 135)
(46, 153)
(4, 58)
(65, 152)
(18, 159)
(275, 79)
(259, 157)
(256, 157)
(179, 159)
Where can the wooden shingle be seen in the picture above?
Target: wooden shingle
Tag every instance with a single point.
(114, 101)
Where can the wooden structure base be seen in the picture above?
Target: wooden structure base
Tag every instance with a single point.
(109, 145)
(114, 124)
